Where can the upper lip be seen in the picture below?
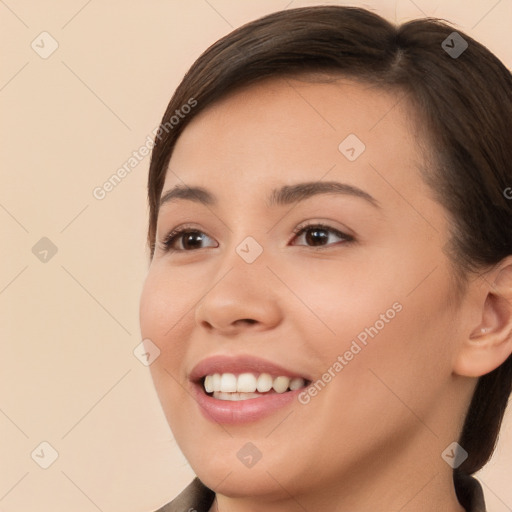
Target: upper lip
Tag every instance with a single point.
(239, 364)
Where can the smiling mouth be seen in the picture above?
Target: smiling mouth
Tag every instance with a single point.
(246, 386)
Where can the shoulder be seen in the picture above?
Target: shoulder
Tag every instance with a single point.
(196, 497)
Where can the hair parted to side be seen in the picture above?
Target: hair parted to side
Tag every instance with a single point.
(464, 108)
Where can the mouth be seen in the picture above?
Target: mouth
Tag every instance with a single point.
(241, 389)
(246, 386)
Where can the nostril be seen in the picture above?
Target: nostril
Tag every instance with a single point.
(247, 320)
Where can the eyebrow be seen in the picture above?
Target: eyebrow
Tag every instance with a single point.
(279, 197)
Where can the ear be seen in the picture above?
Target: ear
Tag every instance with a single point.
(489, 342)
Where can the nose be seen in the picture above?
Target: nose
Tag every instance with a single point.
(243, 297)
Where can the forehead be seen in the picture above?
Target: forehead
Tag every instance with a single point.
(283, 129)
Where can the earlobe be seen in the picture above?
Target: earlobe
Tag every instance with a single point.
(489, 344)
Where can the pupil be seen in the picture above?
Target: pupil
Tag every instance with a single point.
(192, 236)
(312, 236)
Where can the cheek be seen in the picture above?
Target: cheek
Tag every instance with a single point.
(162, 314)
(340, 301)
(163, 317)
(405, 364)
(393, 336)
(163, 303)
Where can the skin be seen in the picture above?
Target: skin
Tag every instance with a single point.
(372, 438)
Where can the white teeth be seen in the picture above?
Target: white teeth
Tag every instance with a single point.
(228, 383)
(216, 382)
(264, 383)
(280, 384)
(228, 386)
(296, 383)
(246, 383)
(235, 397)
(208, 383)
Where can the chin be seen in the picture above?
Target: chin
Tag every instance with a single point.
(237, 483)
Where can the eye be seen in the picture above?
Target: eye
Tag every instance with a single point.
(318, 234)
(189, 238)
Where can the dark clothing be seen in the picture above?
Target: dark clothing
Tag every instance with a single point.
(196, 497)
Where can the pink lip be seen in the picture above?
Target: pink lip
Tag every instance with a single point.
(243, 411)
(239, 364)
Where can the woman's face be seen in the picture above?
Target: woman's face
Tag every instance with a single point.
(361, 308)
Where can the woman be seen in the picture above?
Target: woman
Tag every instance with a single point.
(341, 340)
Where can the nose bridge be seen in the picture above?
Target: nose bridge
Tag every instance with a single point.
(248, 249)
(241, 289)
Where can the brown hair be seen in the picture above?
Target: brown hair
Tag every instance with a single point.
(465, 106)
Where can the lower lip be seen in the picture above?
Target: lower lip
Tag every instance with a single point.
(241, 411)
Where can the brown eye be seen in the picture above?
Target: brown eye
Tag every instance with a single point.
(190, 239)
(317, 235)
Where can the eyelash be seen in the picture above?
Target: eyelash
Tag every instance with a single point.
(169, 239)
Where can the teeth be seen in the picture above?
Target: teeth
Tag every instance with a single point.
(296, 383)
(208, 383)
(228, 383)
(246, 383)
(280, 384)
(264, 383)
(235, 397)
(228, 386)
(216, 382)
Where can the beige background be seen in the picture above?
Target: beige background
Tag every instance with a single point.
(68, 374)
